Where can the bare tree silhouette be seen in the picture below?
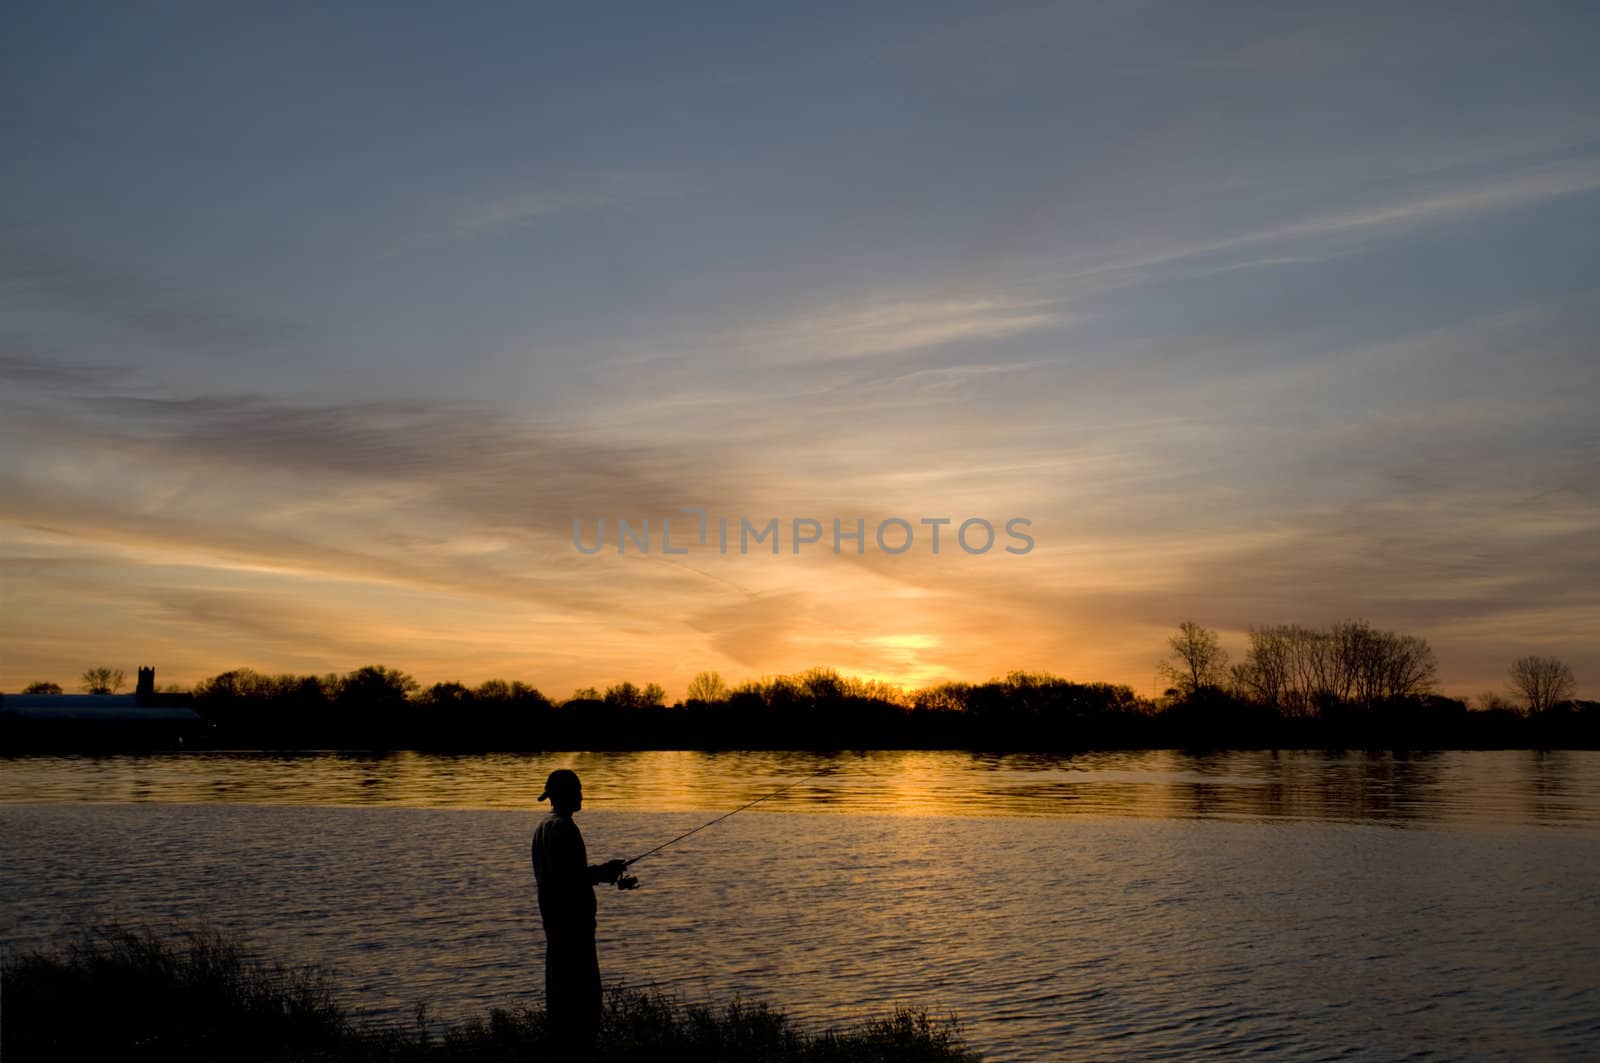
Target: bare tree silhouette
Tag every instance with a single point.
(706, 687)
(1544, 682)
(1197, 661)
(102, 680)
(1302, 671)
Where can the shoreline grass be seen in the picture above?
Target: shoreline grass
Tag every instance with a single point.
(116, 993)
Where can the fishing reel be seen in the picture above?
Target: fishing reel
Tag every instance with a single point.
(627, 882)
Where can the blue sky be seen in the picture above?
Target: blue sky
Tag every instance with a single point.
(319, 328)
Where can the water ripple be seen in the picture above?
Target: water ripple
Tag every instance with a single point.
(1152, 927)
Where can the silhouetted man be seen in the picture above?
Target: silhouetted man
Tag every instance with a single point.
(566, 907)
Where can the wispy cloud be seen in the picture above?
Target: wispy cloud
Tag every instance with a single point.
(1375, 220)
(27, 370)
(894, 326)
(179, 321)
(1272, 261)
(532, 204)
(1502, 194)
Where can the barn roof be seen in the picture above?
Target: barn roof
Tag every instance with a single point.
(110, 707)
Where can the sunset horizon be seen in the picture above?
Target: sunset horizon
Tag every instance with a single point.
(1256, 317)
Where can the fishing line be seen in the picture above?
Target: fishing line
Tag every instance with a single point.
(632, 882)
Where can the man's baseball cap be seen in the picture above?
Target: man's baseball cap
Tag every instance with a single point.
(561, 781)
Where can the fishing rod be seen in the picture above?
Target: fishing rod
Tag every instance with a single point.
(628, 882)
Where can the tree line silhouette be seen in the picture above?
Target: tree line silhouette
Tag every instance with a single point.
(1348, 685)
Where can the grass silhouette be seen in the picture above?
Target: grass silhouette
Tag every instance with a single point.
(115, 993)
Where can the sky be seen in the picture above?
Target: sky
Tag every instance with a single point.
(319, 329)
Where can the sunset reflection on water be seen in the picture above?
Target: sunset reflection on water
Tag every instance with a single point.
(1445, 787)
(1109, 905)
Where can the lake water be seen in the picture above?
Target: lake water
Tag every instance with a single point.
(1110, 906)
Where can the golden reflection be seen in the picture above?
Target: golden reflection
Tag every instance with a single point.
(1452, 787)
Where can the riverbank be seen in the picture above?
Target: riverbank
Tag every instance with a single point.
(113, 993)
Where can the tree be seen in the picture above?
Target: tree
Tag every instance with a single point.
(625, 695)
(945, 697)
(42, 687)
(1377, 666)
(821, 684)
(1544, 682)
(1303, 671)
(375, 687)
(1197, 660)
(708, 687)
(1267, 671)
(102, 680)
(442, 695)
(1407, 667)
(235, 683)
(1494, 701)
(493, 690)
